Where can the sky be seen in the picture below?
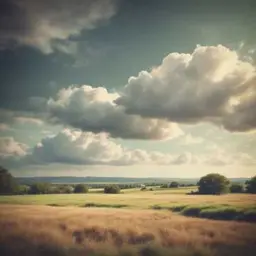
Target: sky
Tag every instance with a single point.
(131, 88)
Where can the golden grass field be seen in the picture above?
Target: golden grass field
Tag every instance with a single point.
(45, 230)
(33, 225)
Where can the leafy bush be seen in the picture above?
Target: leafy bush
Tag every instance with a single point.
(213, 184)
(249, 215)
(220, 213)
(217, 212)
(251, 185)
(112, 189)
(192, 211)
(236, 188)
(81, 188)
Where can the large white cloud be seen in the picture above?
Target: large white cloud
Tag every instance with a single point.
(86, 148)
(48, 25)
(210, 85)
(93, 109)
(75, 147)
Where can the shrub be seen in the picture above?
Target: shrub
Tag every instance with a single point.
(191, 211)
(249, 215)
(112, 189)
(81, 188)
(251, 185)
(236, 188)
(220, 213)
(213, 184)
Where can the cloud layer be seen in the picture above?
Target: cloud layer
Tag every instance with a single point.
(93, 109)
(210, 85)
(49, 25)
(74, 147)
(9, 118)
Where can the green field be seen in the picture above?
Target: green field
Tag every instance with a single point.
(173, 199)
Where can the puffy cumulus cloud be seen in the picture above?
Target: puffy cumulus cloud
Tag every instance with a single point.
(86, 148)
(74, 147)
(210, 85)
(11, 148)
(49, 25)
(93, 109)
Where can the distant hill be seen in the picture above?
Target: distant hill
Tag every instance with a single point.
(120, 180)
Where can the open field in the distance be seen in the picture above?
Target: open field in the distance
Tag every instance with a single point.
(44, 230)
(134, 198)
(225, 207)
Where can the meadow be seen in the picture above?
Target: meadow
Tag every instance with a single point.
(133, 223)
(226, 207)
(56, 231)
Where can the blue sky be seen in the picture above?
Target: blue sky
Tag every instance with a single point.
(128, 88)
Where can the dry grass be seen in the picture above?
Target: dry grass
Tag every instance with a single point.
(44, 230)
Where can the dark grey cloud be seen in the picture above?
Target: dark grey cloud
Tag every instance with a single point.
(50, 25)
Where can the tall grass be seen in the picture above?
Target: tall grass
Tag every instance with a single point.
(59, 231)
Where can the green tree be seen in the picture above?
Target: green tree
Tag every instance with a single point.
(112, 189)
(174, 184)
(81, 188)
(236, 188)
(251, 185)
(40, 188)
(213, 184)
(8, 184)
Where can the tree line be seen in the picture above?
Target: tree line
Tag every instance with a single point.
(213, 183)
